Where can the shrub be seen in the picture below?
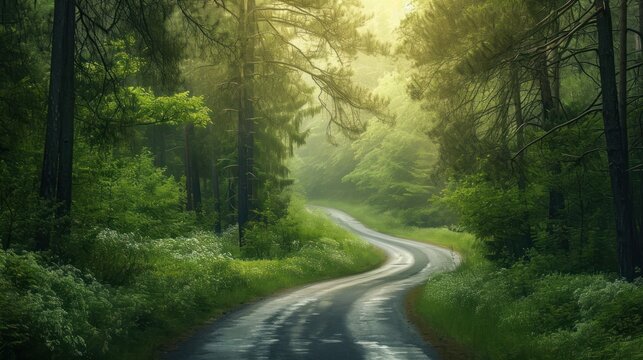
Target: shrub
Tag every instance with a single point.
(523, 313)
(129, 195)
(53, 311)
(112, 257)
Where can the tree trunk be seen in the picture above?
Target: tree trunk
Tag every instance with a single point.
(55, 181)
(623, 69)
(546, 96)
(555, 64)
(158, 141)
(639, 235)
(216, 193)
(192, 178)
(520, 143)
(637, 257)
(231, 198)
(550, 118)
(196, 183)
(65, 164)
(245, 141)
(617, 149)
(189, 194)
(520, 129)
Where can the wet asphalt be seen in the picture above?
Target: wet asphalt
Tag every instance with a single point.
(356, 317)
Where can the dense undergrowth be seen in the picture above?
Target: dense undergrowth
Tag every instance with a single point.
(135, 293)
(527, 311)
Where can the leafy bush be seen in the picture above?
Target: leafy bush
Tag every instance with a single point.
(158, 288)
(21, 211)
(129, 195)
(520, 313)
(493, 213)
(278, 236)
(112, 257)
(53, 311)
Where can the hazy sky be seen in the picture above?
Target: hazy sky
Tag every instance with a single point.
(387, 15)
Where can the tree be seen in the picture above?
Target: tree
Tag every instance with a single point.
(545, 52)
(55, 185)
(617, 146)
(293, 39)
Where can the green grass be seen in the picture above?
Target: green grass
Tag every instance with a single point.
(333, 253)
(519, 313)
(522, 312)
(385, 222)
(171, 286)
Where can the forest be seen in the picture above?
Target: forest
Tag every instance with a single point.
(159, 160)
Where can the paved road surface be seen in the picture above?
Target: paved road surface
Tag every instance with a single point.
(357, 317)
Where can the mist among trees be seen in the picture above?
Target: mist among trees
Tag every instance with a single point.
(156, 158)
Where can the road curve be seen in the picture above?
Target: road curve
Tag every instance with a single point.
(356, 317)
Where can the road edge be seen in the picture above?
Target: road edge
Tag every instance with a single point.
(448, 348)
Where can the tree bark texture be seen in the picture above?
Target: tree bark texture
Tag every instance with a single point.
(550, 118)
(216, 194)
(245, 141)
(617, 148)
(192, 179)
(56, 174)
(520, 128)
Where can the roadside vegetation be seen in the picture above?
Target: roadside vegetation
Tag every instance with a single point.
(519, 123)
(527, 311)
(135, 293)
(387, 222)
(149, 151)
(143, 179)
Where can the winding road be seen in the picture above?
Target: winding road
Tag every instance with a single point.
(356, 317)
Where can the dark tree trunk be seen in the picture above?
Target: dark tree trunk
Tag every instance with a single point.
(216, 194)
(231, 198)
(520, 143)
(637, 257)
(546, 96)
(189, 194)
(623, 69)
(55, 182)
(65, 164)
(639, 234)
(555, 64)
(245, 141)
(192, 178)
(520, 129)
(158, 141)
(196, 184)
(617, 149)
(550, 118)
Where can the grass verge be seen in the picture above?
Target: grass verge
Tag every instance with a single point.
(480, 311)
(158, 290)
(330, 252)
(385, 222)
